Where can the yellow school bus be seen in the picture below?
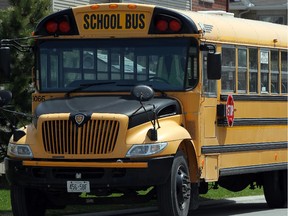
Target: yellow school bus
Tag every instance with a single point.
(150, 102)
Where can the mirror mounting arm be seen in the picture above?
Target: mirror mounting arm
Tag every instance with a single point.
(16, 45)
(211, 48)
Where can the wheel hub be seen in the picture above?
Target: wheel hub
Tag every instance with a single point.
(183, 187)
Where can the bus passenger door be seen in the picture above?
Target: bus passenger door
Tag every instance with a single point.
(209, 103)
(209, 121)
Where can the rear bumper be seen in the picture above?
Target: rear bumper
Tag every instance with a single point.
(54, 178)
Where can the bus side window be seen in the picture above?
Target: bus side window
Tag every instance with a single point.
(284, 72)
(228, 69)
(253, 70)
(264, 62)
(209, 86)
(242, 70)
(274, 71)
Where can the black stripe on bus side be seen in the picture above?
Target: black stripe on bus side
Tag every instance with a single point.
(253, 121)
(252, 169)
(255, 98)
(243, 147)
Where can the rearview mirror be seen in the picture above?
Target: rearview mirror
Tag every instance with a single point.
(5, 97)
(214, 66)
(5, 60)
(143, 92)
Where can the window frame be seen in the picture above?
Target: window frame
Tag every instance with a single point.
(275, 72)
(265, 60)
(283, 72)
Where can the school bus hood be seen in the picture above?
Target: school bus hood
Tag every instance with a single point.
(125, 105)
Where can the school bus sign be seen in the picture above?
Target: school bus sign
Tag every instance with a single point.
(114, 21)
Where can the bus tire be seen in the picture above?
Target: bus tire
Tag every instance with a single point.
(27, 202)
(275, 189)
(174, 196)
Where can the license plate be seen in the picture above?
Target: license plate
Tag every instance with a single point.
(78, 186)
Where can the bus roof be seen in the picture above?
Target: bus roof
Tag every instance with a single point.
(207, 26)
(229, 29)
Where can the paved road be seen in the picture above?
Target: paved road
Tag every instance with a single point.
(245, 206)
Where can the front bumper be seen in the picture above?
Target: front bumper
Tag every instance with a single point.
(51, 177)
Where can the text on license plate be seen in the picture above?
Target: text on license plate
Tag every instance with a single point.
(78, 186)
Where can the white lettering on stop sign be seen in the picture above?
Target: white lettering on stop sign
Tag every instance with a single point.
(230, 110)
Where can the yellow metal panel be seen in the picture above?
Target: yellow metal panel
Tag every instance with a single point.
(242, 159)
(120, 20)
(211, 167)
(209, 121)
(252, 134)
(261, 109)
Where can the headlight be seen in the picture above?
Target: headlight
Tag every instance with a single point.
(20, 151)
(145, 149)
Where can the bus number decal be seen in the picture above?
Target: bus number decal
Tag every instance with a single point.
(38, 98)
(114, 21)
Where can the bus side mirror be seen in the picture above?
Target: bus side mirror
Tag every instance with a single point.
(5, 97)
(214, 66)
(5, 60)
(142, 92)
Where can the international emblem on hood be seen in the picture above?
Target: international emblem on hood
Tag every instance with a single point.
(79, 118)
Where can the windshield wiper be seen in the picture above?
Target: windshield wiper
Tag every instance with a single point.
(86, 85)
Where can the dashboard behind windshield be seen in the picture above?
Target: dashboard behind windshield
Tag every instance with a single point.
(164, 64)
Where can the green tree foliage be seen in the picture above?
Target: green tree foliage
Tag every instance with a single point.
(19, 21)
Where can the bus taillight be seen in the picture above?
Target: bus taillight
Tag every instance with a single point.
(51, 27)
(60, 23)
(168, 25)
(58, 26)
(162, 25)
(64, 26)
(175, 25)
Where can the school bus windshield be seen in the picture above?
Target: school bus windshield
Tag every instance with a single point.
(117, 63)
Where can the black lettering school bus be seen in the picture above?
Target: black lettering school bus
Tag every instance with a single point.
(132, 97)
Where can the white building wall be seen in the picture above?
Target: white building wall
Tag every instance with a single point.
(64, 4)
(177, 4)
